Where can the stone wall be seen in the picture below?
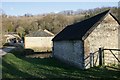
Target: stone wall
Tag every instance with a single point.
(39, 44)
(105, 35)
(70, 52)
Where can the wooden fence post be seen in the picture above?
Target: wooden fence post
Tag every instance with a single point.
(100, 56)
(103, 56)
(91, 60)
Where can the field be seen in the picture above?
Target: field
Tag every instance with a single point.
(16, 66)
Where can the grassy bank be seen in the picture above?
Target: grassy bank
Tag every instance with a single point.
(14, 66)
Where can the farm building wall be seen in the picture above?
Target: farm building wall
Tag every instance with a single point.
(39, 44)
(70, 52)
(104, 35)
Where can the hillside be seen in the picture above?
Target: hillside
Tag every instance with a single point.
(18, 67)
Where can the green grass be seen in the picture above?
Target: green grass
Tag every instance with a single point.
(14, 66)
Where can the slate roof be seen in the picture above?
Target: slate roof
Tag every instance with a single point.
(40, 33)
(78, 30)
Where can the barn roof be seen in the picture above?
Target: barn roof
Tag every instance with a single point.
(80, 30)
(40, 33)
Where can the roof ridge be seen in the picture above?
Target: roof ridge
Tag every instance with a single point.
(71, 31)
(39, 33)
(97, 23)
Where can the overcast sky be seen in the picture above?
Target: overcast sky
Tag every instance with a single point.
(21, 8)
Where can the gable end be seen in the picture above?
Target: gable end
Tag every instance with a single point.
(95, 25)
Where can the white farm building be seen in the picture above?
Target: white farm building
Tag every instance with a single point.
(39, 41)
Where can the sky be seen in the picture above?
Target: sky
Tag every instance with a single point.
(21, 8)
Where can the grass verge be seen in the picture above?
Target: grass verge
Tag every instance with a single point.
(17, 67)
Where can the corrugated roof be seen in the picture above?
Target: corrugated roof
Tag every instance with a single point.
(78, 30)
(39, 33)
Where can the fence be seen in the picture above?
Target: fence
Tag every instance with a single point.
(98, 57)
(92, 60)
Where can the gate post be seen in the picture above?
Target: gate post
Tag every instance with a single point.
(103, 55)
(91, 60)
(100, 57)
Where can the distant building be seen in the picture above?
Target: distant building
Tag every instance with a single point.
(39, 41)
(75, 42)
(12, 38)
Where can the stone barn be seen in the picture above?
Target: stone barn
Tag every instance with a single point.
(75, 42)
(39, 41)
